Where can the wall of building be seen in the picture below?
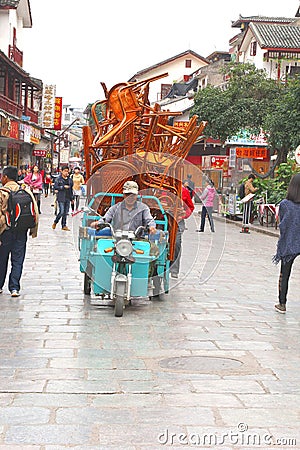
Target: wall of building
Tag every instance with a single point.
(176, 70)
(4, 34)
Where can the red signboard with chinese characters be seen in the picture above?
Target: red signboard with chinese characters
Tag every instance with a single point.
(14, 129)
(37, 152)
(252, 152)
(57, 113)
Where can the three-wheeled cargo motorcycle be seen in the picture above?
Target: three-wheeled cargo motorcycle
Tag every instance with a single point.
(122, 265)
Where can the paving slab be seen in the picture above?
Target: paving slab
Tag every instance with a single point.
(212, 358)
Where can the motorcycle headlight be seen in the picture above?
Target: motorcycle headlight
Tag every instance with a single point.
(124, 247)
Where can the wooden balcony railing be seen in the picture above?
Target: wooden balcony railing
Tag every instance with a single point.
(32, 114)
(13, 108)
(10, 106)
(15, 55)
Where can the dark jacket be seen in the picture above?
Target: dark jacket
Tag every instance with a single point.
(63, 194)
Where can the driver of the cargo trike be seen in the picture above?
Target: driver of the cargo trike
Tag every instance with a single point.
(130, 213)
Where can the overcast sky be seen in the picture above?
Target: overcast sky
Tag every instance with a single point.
(75, 44)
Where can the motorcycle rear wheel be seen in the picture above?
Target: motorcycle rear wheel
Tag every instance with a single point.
(87, 285)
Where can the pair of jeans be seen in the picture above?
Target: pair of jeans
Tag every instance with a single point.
(283, 284)
(75, 205)
(13, 243)
(207, 210)
(62, 213)
(247, 212)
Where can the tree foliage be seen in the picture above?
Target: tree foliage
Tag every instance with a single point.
(283, 122)
(252, 101)
(273, 190)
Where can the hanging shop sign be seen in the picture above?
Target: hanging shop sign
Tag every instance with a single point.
(25, 132)
(35, 135)
(5, 123)
(217, 162)
(214, 161)
(57, 113)
(244, 137)
(14, 129)
(252, 152)
(48, 106)
(64, 156)
(38, 152)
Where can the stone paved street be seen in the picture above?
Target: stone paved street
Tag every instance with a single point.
(210, 366)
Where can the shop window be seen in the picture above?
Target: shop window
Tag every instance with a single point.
(253, 48)
(164, 90)
(17, 92)
(2, 82)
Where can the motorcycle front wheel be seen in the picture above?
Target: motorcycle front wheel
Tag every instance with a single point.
(119, 305)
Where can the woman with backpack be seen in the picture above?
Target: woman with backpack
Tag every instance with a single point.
(35, 181)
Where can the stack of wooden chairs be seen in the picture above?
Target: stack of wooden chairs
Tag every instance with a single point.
(135, 141)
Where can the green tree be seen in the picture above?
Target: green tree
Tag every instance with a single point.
(283, 122)
(251, 101)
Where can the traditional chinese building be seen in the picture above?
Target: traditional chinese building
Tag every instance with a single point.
(20, 94)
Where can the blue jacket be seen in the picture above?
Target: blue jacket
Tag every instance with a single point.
(63, 194)
(288, 245)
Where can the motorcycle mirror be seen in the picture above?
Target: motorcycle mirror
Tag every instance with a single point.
(88, 209)
(139, 231)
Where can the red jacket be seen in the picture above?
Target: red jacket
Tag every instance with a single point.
(187, 202)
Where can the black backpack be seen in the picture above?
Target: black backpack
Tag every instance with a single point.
(20, 214)
(241, 192)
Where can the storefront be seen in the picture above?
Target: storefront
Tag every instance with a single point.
(17, 141)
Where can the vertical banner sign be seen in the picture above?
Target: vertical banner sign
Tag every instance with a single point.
(57, 113)
(48, 106)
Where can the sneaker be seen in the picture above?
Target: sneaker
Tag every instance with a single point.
(66, 229)
(200, 231)
(15, 293)
(1, 290)
(174, 275)
(53, 226)
(280, 308)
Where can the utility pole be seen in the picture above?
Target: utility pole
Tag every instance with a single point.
(61, 135)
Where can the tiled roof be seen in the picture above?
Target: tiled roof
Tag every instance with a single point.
(276, 36)
(12, 3)
(241, 19)
(166, 61)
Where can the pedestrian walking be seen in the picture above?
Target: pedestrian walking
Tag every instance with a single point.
(248, 203)
(207, 199)
(47, 183)
(189, 207)
(12, 239)
(63, 188)
(190, 185)
(78, 181)
(22, 175)
(288, 246)
(34, 180)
